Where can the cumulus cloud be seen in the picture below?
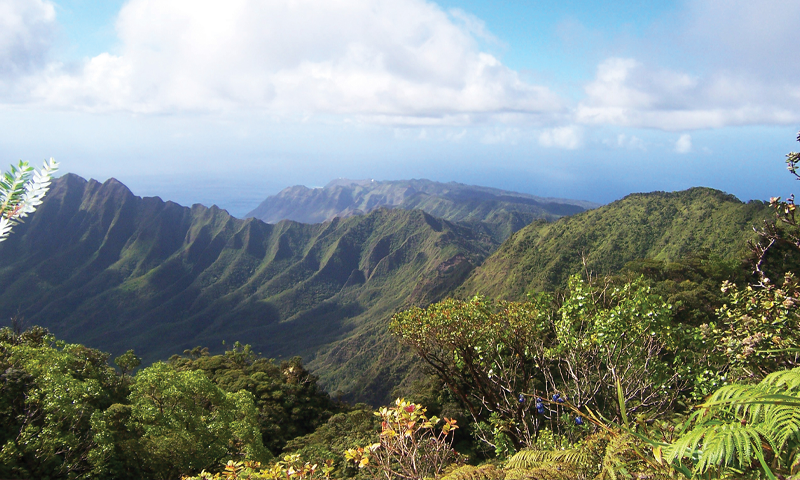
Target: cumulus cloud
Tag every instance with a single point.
(684, 143)
(391, 61)
(404, 63)
(625, 92)
(736, 68)
(569, 138)
(26, 35)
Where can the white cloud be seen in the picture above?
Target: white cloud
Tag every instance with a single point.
(501, 135)
(630, 142)
(26, 34)
(731, 63)
(406, 63)
(474, 26)
(569, 138)
(26, 37)
(625, 92)
(398, 61)
(684, 143)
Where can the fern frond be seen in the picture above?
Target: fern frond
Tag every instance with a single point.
(788, 379)
(469, 472)
(619, 456)
(781, 426)
(528, 459)
(548, 471)
(719, 445)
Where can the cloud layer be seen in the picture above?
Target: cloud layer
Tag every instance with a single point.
(381, 58)
(401, 62)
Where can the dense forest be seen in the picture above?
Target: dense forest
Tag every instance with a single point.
(657, 337)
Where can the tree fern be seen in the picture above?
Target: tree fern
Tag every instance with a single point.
(740, 424)
(470, 472)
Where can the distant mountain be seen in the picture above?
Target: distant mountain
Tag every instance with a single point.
(100, 266)
(498, 212)
(658, 225)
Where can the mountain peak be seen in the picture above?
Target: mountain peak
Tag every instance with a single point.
(346, 182)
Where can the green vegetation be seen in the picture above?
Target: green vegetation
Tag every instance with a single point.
(99, 266)
(659, 226)
(288, 400)
(65, 413)
(741, 424)
(666, 355)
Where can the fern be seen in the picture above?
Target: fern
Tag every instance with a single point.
(528, 459)
(740, 424)
(549, 471)
(469, 472)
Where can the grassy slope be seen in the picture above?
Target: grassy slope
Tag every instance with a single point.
(102, 267)
(653, 225)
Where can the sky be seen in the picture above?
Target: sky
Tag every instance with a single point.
(228, 102)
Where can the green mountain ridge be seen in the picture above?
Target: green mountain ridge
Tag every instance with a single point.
(498, 213)
(657, 225)
(100, 266)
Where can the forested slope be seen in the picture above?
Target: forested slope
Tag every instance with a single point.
(658, 225)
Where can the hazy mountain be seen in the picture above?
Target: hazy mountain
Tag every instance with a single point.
(100, 266)
(658, 225)
(497, 212)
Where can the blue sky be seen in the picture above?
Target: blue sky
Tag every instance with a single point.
(228, 102)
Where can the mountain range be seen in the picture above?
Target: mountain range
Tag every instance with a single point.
(499, 213)
(100, 266)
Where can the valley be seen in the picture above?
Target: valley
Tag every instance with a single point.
(100, 266)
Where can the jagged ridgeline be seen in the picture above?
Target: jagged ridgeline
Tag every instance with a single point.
(498, 213)
(100, 266)
(658, 225)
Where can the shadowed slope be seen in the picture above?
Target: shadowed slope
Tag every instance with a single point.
(100, 266)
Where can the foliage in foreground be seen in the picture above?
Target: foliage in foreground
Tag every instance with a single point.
(743, 428)
(412, 446)
(515, 364)
(66, 413)
(21, 191)
(289, 400)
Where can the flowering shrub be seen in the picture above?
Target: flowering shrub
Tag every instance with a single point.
(411, 446)
(292, 467)
(757, 332)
